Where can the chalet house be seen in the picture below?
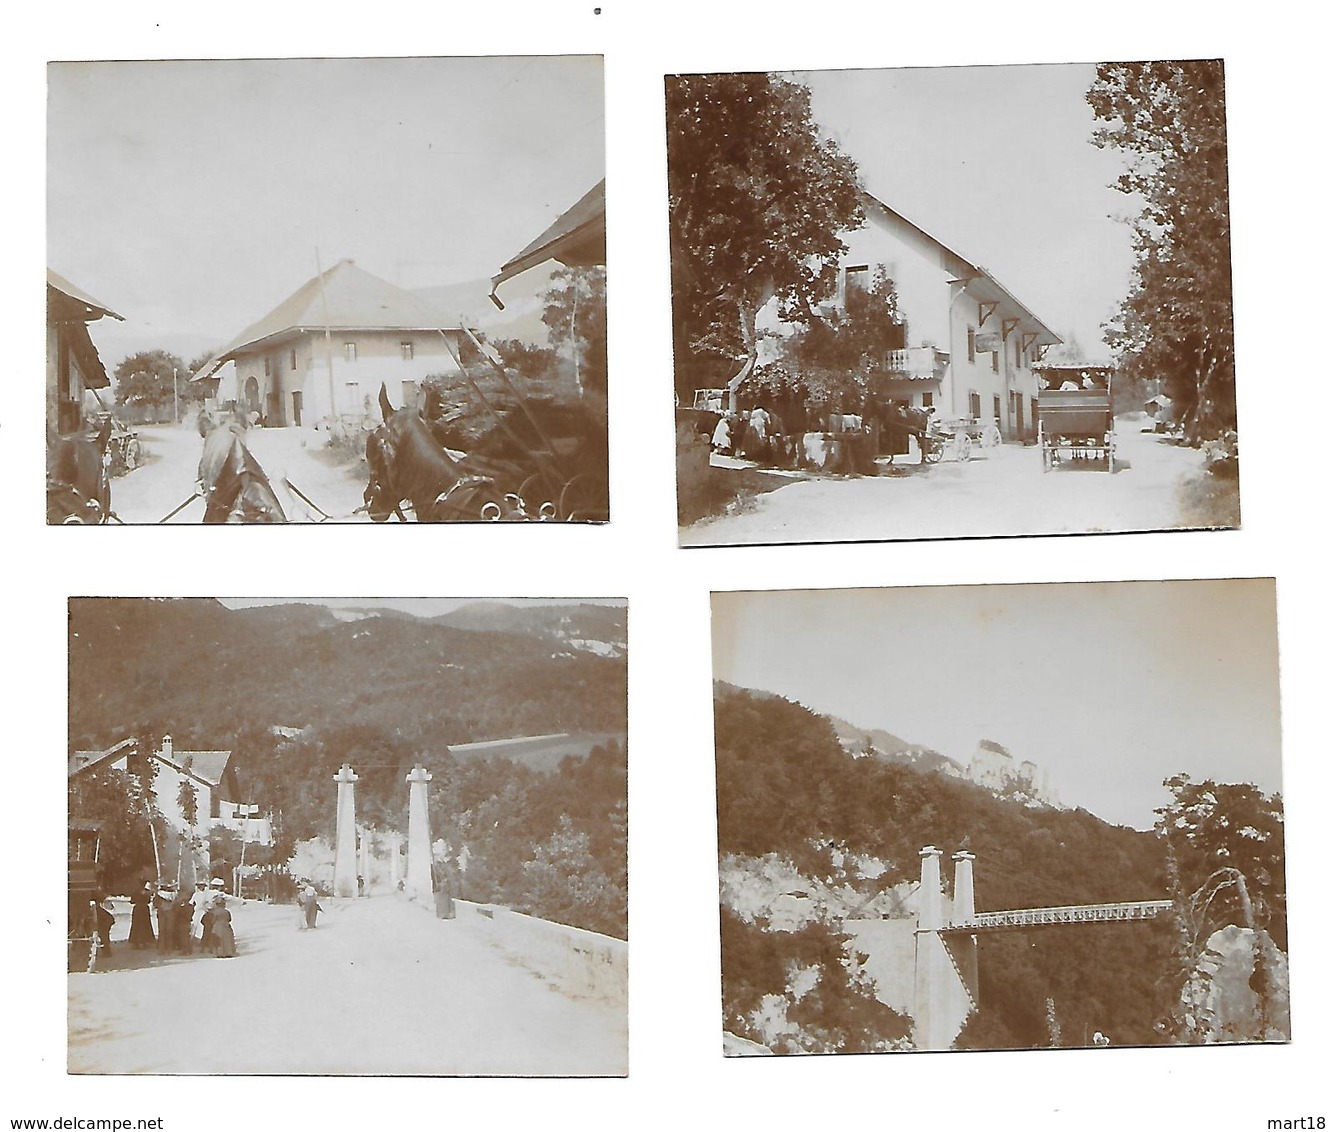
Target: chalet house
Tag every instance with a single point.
(328, 347)
(969, 343)
(72, 362)
(210, 773)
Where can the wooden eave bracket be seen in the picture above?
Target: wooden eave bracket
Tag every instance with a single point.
(1028, 338)
(986, 309)
(1009, 325)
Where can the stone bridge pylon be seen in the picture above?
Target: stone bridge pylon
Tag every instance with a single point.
(349, 864)
(943, 959)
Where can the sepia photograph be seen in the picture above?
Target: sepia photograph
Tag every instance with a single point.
(1072, 837)
(326, 290)
(846, 366)
(358, 837)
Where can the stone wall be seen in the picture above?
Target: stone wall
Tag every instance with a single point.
(584, 964)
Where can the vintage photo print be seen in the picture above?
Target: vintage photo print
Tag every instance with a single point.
(326, 290)
(1071, 836)
(356, 837)
(960, 301)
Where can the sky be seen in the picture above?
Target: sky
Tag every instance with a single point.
(1111, 687)
(193, 196)
(996, 162)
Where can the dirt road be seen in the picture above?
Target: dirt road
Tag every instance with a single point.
(379, 987)
(172, 458)
(1002, 492)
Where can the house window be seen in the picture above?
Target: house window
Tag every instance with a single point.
(292, 359)
(995, 361)
(998, 409)
(927, 401)
(970, 343)
(1017, 342)
(406, 351)
(267, 367)
(975, 405)
(350, 351)
(856, 278)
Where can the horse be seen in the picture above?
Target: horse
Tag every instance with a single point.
(78, 481)
(407, 464)
(234, 486)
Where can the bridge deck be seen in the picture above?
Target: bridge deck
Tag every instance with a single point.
(1071, 914)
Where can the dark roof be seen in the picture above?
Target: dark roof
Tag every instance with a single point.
(206, 767)
(980, 282)
(576, 238)
(352, 299)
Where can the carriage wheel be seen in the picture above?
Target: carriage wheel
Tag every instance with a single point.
(963, 448)
(584, 498)
(536, 494)
(932, 450)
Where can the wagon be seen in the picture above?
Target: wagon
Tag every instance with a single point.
(1076, 416)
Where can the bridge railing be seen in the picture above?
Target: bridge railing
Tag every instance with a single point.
(583, 963)
(1070, 914)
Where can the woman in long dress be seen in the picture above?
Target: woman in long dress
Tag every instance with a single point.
(225, 942)
(141, 925)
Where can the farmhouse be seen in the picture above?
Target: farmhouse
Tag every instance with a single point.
(209, 774)
(72, 362)
(327, 348)
(969, 344)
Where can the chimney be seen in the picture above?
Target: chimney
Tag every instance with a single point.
(963, 887)
(930, 889)
(166, 750)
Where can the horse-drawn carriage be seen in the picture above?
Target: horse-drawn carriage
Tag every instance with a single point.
(522, 473)
(1076, 415)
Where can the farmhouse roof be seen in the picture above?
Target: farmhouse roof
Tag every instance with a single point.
(92, 310)
(206, 767)
(343, 298)
(979, 282)
(576, 238)
(73, 309)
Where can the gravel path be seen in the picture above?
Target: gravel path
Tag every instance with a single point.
(1003, 492)
(172, 458)
(379, 987)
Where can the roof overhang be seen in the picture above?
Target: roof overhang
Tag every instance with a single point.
(989, 293)
(67, 303)
(575, 239)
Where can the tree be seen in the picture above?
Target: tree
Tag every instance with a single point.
(576, 314)
(1224, 855)
(1176, 323)
(835, 361)
(125, 813)
(147, 379)
(757, 203)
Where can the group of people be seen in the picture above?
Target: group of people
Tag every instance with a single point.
(758, 435)
(186, 921)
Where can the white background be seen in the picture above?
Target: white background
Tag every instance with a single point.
(1277, 82)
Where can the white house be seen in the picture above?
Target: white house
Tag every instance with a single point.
(969, 342)
(327, 348)
(211, 777)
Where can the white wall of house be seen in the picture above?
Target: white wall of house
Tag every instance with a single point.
(941, 312)
(293, 377)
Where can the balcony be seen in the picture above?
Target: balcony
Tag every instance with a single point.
(918, 363)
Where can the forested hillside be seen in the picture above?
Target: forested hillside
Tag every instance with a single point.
(200, 671)
(786, 787)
